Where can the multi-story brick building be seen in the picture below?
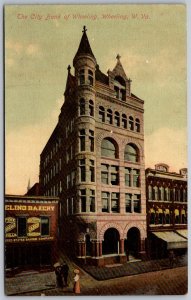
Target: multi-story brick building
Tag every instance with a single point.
(166, 194)
(94, 160)
(31, 231)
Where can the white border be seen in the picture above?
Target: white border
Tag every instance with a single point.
(188, 3)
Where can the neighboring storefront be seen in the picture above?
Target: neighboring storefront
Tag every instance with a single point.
(31, 229)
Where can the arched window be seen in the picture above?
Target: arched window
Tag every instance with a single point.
(82, 107)
(137, 125)
(101, 114)
(161, 193)
(82, 76)
(131, 153)
(131, 123)
(117, 119)
(109, 148)
(124, 121)
(109, 116)
(91, 108)
(90, 77)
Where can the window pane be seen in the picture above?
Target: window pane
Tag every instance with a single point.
(44, 226)
(22, 226)
(108, 149)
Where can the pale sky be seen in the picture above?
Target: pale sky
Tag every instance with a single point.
(151, 40)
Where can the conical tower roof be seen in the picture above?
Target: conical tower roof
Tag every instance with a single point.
(84, 47)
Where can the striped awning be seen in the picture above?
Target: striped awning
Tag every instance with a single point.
(173, 239)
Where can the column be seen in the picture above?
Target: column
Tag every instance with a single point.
(100, 248)
(83, 248)
(79, 249)
(121, 246)
(97, 248)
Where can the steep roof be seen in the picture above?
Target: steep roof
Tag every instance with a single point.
(84, 47)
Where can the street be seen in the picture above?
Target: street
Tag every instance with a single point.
(165, 282)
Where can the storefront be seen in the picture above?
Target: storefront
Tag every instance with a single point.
(30, 231)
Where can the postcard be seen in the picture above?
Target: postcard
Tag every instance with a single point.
(95, 150)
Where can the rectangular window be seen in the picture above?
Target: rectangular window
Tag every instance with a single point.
(83, 170)
(22, 226)
(104, 174)
(92, 171)
(83, 200)
(105, 201)
(128, 199)
(115, 202)
(136, 177)
(73, 178)
(114, 175)
(136, 202)
(92, 200)
(127, 177)
(82, 140)
(45, 228)
(91, 140)
(68, 181)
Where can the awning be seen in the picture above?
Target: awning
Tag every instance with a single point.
(183, 232)
(173, 240)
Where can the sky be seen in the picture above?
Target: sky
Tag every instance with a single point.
(40, 43)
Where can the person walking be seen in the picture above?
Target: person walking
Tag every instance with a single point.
(76, 288)
(171, 258)
(64, 271)
(58, 273)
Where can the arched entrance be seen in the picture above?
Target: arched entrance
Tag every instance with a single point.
(132, 243)
(110, 245)
(88, 246)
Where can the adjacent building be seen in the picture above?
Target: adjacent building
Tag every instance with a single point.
(166, 194)
(31, 231)
(94, 161)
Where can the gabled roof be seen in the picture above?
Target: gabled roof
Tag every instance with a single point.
(84, 47)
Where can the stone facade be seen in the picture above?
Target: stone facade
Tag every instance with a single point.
(94, 161)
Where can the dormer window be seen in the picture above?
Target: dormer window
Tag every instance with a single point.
(82, 76)
(90, 77)
(120, 88)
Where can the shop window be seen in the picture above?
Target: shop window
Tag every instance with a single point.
(22, 226)
(45, 226)
(152, 218)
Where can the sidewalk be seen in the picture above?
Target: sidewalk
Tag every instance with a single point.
(45, 282)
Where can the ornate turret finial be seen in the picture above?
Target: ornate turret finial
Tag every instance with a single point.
(84, 29)
(118, 57)
(69, 68)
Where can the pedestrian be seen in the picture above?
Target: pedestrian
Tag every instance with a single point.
(76, 288)
(64, 272)
(172, 258)
(58, 273)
